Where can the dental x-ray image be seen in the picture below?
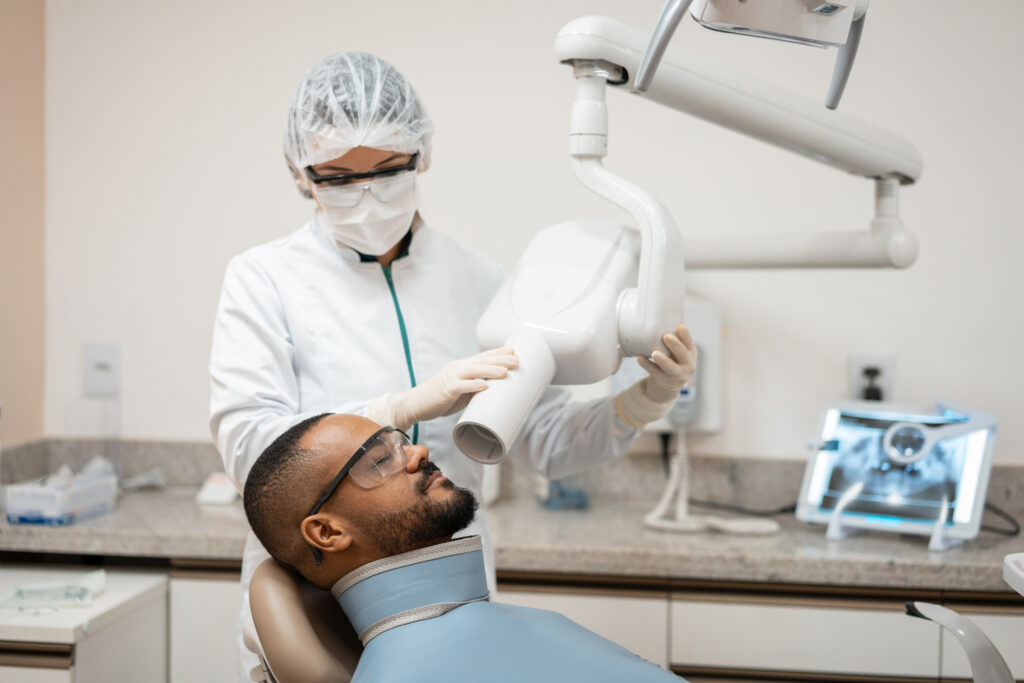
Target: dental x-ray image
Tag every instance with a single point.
(918, 490)
(900, 470)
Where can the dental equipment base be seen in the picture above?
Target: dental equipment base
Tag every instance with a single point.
(672, 511)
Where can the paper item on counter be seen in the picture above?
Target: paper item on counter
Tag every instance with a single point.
(150, 479)
(217, 490)
(63, 497)
(50, 595)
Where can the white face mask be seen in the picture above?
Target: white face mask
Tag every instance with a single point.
(371, 226)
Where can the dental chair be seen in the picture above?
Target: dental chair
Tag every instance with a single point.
(304, 637)
(298, 631)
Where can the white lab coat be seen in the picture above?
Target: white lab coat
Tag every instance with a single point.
(305, 327)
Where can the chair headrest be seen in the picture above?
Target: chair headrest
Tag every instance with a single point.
(303, 633)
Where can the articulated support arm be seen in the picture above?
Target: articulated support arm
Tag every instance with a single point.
(655, 306)
(746, 105)
(885, 244)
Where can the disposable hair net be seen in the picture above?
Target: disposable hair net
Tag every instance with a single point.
(355, 99)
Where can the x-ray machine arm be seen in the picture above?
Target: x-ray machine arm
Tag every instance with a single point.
(741, 103)
(585, 293)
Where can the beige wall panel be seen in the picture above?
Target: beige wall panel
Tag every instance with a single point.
(22, 332)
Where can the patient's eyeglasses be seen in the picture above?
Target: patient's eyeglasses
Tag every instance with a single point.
(380, 456)
(345, 190)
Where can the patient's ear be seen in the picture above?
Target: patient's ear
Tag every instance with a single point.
(326, 533)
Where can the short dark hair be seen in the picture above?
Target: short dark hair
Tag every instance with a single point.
(276, 488)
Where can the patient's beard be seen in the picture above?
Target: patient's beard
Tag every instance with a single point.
(424, 523)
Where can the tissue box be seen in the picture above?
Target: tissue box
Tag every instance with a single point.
(35, 503)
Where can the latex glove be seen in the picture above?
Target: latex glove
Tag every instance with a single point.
(667, 375)
(653, 397)
(446, 392)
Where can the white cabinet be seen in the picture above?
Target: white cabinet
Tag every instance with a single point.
(752, 633)
(120, 636)
(204, 626)
(635, 619)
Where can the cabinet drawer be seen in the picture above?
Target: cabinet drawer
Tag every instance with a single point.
(638, 623)
(204, 627)
(21, 674)
(783, 634)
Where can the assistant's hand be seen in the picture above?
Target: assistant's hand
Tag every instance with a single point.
(449, 390)
(668, 374)
(653, 397)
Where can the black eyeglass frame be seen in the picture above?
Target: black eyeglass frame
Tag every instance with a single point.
(345, 178)
(342, 473)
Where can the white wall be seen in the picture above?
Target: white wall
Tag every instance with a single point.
(163, 160)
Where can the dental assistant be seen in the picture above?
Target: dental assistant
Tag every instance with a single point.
(367, 309)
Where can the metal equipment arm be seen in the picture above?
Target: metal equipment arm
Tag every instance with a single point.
(784, 119)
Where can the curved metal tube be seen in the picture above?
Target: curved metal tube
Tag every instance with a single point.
(671, 14)
(986, 663)
(844, 63)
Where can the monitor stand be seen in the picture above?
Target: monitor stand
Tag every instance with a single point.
(836, 531)
(939, 541)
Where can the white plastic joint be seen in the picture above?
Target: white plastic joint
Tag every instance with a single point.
(588, 145)
(588, 123)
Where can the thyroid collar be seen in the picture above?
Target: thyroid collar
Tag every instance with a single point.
(417, 585)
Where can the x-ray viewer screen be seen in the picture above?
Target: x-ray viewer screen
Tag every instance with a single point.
(944, 481)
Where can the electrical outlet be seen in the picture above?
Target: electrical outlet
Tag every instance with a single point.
(861, 365)
(101, 369)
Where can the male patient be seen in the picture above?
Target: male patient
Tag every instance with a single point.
(357, 509)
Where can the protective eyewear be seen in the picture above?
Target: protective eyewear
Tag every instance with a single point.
(345, 190)
(380, 456)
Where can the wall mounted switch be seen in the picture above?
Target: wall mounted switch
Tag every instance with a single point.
(101, 369)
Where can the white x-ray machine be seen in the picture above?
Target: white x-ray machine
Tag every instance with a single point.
(585, 293)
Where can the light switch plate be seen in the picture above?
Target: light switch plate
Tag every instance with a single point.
(101, 369)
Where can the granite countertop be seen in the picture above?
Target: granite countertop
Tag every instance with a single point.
(157, 524)
(607, 540)
(612, 540)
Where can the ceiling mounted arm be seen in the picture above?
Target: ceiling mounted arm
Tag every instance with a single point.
(787, 120)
